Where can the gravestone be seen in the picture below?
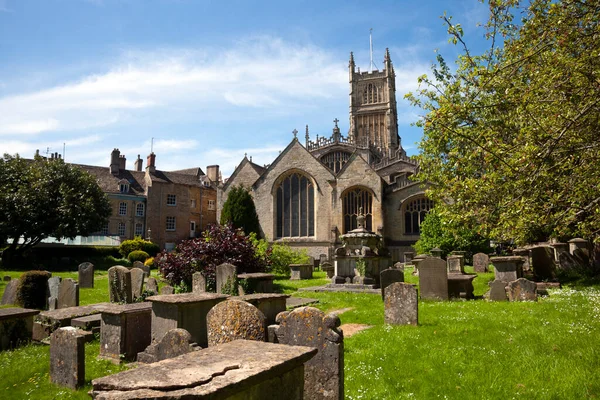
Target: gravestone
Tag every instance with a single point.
(522, 290)
(481, 261)
(143, 267)
(497, 290)
(399, 266)
(119, 284)
(68, 293)
(53, 288)
(328, 269)
(408, 257)
(152, 285)
(309, 326)
(137, 282)
(226, 276)
(10, 292)
(577, 243)
(389, 276)
(86, 275)
(301, 271)
(67, 357)
(175, 343)
(433, 279)
(455, 264)
(198, 282)
(167, 290)
(507, 269)
(542, 261)
(125, 330)
(401, 304)
(234, 319)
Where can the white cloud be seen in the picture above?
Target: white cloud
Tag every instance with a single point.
(258, 72)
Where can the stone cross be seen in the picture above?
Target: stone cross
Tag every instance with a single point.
(336, 122)
(295, 132)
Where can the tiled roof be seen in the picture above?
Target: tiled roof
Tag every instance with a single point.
(109, 183)
(196, 171)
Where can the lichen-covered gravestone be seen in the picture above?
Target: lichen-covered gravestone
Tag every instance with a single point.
(309, 326)
(481, 262)
(67, 357)
(167, 290)
(226, 278)
(152, 285)
(175, 343)
(198, 282)
(53, 286)
(137, 282)
(142, 266)
(119, 284)
(234, 319)
(401, 304)
(86, 275)
(522, 290)
(10, 293)
(68, 293)
(433, 279)
(389, 276)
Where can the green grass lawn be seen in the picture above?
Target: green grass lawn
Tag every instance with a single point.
(460, 350)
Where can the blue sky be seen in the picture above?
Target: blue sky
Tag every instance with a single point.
(208, 80)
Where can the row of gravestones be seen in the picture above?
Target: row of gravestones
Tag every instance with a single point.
(126, 285)
(60, 293)
(227, 321)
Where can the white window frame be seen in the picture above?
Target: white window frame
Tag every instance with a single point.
(124, 187)
(122, 229)
(105, 230)
(171, 224)
(171, 200)
(122, 208)
(139, 229)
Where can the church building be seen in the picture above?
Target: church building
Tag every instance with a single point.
(314, 191)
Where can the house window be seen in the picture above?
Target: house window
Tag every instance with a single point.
(124, 187)
(171, 200)
(355, 202)
(104, 230)
(193, 203)
(211, 204)
(170, 223)
(122, 230)
(139, 210)
(139, 229)
(122, 208)
(414, 214)
(295, 207)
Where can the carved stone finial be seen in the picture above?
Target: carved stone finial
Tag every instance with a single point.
(295, 132)
(245, 155)
(336, 122)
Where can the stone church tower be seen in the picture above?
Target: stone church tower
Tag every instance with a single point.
(373, 115)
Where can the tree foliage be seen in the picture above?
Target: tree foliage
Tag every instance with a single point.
(47, 198)
(240, 211)
(218, 244)
(511, 136)
(277, 257)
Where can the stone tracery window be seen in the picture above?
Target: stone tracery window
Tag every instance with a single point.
(352, 202)
(371, 94)
(335, 160)
(295, 208)
(414, 214)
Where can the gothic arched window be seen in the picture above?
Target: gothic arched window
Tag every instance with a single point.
(335, 160)
(414, 214)
(352, 202)
(295, 207)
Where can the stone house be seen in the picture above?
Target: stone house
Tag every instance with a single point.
(313, 192)
(164, 206)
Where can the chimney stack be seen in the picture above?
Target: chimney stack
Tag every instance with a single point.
(122, 162)
(212, 171)
(138, 164)
(114, 161)
(150, 161)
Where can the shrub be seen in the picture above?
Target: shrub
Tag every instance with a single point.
(218, 244)
(278, 256)
(138, 255)
(127, 246)
(32, 289)
(239, 210)
(112, 261)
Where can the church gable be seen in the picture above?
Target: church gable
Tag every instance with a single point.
(357, 172)
(245, 174)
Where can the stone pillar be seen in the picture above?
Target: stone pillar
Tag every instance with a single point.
(125, 331)
(577, 243)
(67, 357)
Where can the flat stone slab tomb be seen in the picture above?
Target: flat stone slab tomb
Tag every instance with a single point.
(241, 369)
(342, 287)
(47, 322)
(461, 285)
(295, 302)
(269, 304)
(16, 326)
(125, 331)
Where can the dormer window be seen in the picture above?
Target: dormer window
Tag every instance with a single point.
(123, 186)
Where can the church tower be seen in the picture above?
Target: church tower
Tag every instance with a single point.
(373, 114)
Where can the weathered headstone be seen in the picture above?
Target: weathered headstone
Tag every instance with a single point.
(142, 266)
(198, 282)
(167, 290)
(542, 261)
(301, 271)
(401, 304)
(175, 343)
(53, 289)
(522, 290)
(408, 257)
(152, 285)
(137, 282)
(68, 293)
(399, 266)
(226, 277)
(328, 269)
(433, 279)
(481, 261)
(67, 357)
(455, 264)
(309, 326)
(389, 276)
(234, 319)
(86, 275)
(10, 292)
(119, 284)
(497, 290)
(125, 330)
(507, 269)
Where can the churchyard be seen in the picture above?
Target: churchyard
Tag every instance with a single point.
(459, 349)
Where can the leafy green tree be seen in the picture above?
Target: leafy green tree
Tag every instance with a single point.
(47, 198)
(511, 135)
(240, 211)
